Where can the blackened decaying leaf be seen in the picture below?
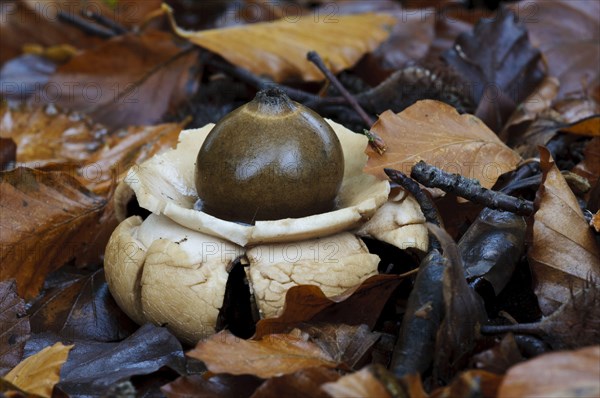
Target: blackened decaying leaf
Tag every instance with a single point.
(360, 305)
(424, 311)
(47, 219)
(93, 368)
(218, 386)
(464, 313)
(303, 383)
(81, 309)
(492, 246)
(500, 64)
(14, 329)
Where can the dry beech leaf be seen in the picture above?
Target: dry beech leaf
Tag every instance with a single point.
(434, 132)
(563, 253)
(47, 219)
(567, 33)
(273, 355)
(596, 221)
(360, 305)
(279, 48)
(301, 384)
(15, 329)
(557, 374)
(39, 373)
(357, 385)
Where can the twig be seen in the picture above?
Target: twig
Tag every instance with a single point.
(469, 189)
(86, 25)
(521, 328)
(109, 23)
(376, 142)
(427, 207)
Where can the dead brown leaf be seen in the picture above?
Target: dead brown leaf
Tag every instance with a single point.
(589, 167)
(301, 384)
(471, 383)
(39, 373)
(563, 253)
(134, 79)
(47, 219)
(356, 385)
(15, 326)
(434, 132)
(589, 126)
(567, 32)
(359, 305)
(596, 221)
(46, 135)
(279, 48)
(273, 355)
(557, 374)
(219, 386)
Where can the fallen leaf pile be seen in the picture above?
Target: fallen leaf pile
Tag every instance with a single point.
(505, 94)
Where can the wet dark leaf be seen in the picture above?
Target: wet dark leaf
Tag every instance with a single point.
(94, 367)
(492, 246)
(8, 153)
(463, 314)
(499, 358)
(14, 329)
(424, 311)
(81, 309)
(500, 64)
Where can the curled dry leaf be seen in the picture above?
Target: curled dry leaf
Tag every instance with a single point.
(563, 253)
(356, 385)
(279, 48)
(47, 219)
(557, 374)
(434, 132)
(471, 383)
(15, 326)
(39, 373)
(273, 355)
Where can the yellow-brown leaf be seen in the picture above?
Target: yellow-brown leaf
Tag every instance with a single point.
(273, 355)
(434, 132)
(563, 253)
(39, 373)
(279, 48)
